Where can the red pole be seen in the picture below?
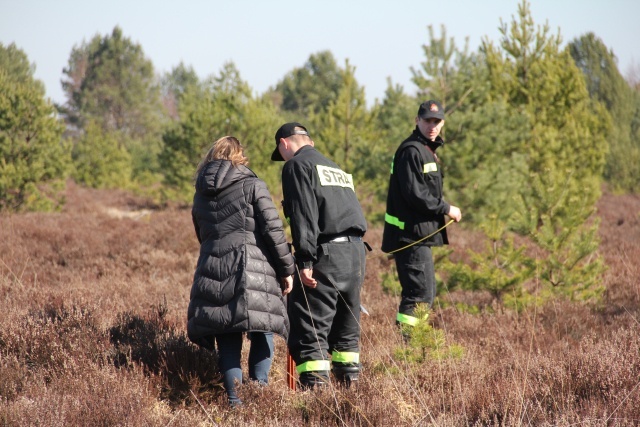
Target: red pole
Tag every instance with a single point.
(291, 365)
(291, 372)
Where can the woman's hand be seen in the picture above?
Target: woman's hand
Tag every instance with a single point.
(286, 284)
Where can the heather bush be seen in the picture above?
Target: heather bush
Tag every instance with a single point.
(55, 341)
(158, 347)
(93, 332)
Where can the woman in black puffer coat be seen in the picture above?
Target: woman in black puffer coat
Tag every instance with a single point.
(245, 266)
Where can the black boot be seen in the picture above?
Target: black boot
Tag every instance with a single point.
(311, 379)
(346, 373)
(405, 330)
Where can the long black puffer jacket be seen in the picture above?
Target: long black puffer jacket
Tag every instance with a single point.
(243, 253)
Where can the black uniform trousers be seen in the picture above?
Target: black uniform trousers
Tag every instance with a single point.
(326, 318)
(417, 277)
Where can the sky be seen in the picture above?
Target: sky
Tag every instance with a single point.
(266, 39)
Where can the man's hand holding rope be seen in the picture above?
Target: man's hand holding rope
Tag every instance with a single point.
(454, 213)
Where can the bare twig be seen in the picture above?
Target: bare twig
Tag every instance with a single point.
(203, 408)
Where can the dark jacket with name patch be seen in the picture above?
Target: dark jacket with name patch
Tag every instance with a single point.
(243, 253)
(319, 202)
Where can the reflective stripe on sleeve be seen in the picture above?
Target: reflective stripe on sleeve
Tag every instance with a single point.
(394, 221)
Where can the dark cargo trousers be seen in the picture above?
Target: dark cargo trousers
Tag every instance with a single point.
(326, 319)
(417, 278)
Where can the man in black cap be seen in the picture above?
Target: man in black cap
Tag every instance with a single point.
(327, 225)
(416, 209)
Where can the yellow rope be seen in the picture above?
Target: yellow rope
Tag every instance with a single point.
(424, 238)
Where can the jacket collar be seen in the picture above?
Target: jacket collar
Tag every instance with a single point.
(304, 148)
(433, 145)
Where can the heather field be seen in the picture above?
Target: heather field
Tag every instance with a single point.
(93, 306)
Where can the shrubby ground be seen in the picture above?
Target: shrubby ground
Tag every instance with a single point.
(92, 332)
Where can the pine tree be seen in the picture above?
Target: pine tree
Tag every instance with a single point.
(346, 133)
(426, 343)
(527, 145)
(310, 88)
(33, 160)
(222, 106)
(622, 102)
(501, 269)
(174, 85)
(395, 116)
(434, 77)
(343, 126)
(564, 152)
(100, 161)
(110, 82)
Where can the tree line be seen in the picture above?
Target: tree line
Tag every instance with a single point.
(533, 130)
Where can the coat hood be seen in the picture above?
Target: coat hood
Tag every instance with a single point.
(220, 174)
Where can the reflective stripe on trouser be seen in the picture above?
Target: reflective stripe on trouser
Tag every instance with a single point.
(417, 277)
(345, 357)
(409, 320)
(333, 321)
(313, 365)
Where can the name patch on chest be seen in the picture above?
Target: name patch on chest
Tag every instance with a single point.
(430, 167)
(334, 177)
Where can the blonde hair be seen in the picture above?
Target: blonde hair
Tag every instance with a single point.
(225, 148)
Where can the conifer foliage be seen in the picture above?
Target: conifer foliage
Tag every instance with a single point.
(526, 133)
(33, 160)
(223, 105)
(110, 83)
(527, 148)
(563, 151)
(622, 104)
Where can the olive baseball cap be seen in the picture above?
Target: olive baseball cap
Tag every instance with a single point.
(285, 131)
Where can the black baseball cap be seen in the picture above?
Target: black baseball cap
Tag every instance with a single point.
(431, 110)
(285, 131)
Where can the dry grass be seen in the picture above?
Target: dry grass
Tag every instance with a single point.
(92, 332)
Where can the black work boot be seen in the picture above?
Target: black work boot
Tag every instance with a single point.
(311, 379)
(346, 373)
(405, 330)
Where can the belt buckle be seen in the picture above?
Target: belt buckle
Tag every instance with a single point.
(346, 239)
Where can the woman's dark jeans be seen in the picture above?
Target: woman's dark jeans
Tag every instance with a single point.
(229, 354)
